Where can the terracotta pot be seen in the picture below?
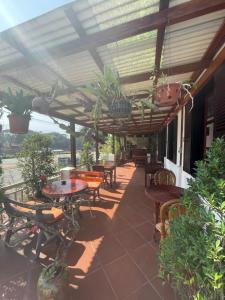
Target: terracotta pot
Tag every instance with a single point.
(18, 124)
(53, 288)
(168, 94)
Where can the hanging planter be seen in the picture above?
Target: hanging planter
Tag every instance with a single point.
(41, 104)
(20, 107)
(120, 109)
(18, 124)
(168, 94)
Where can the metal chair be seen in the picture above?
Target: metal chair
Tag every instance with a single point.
(26, 219)
(164, 177)
(99, 168)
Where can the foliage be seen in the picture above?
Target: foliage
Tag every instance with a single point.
(107, 89)
(193, 255)
(18, 103)
(36, 159)
(106, 148)
(86, 156)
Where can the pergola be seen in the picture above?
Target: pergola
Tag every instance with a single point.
(182, 39)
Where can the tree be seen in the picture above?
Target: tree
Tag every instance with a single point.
(36, 159)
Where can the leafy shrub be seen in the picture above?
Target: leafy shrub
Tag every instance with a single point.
(193, 255)
(36, 159)
(86, 156)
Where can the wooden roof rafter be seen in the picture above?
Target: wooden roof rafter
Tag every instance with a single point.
(72, 17)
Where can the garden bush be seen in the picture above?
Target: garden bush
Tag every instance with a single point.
(193, 255)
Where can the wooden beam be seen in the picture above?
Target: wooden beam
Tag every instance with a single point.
(72, 17)
(176, 14)
(164, 4)
(20, 84)
(167, 71)
(213, 67)
(213, 48)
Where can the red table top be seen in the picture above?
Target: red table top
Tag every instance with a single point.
(163, 193)
(71, 187)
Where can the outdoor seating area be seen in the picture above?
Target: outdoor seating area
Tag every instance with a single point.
(125, 200)
(114, 249)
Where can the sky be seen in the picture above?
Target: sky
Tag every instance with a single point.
(12, 13)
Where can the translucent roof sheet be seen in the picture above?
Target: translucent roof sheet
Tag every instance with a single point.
(51, 47)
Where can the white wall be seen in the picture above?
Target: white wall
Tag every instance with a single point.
(177, 169)
(181, 175)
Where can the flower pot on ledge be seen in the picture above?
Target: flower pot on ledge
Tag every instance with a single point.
(18, 124)
(168, 94)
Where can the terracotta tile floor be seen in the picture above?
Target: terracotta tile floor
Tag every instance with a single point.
(113, 257)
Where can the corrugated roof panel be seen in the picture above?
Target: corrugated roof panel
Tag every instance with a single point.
(135, 88)
(131, 55)
(102, 15)
(177, 2)
(187, 42)
(78, 68)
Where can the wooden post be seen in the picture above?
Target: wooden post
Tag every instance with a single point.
(73, 144)
(96, 146)
(125, 143)
(113, 143)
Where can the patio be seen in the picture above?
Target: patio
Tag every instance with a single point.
(113, 257)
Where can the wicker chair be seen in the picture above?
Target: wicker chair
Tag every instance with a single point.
(168, 212)
(164, 177)
(150, 170)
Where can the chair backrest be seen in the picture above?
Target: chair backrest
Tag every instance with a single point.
(168, 212)
(139, 152)
(164, 176)
(98, 168)
(87, 175)
(152, 168)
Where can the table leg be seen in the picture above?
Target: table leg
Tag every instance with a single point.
(111, 179)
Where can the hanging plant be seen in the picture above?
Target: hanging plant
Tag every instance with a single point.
(108, 91)
(20, 107)
(41, 103)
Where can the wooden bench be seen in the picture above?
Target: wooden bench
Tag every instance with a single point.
(94, 180)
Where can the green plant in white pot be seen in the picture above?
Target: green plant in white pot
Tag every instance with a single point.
(19, 106)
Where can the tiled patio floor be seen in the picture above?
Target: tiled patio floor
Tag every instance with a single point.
(114, 256)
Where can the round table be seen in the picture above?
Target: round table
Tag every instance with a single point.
(64, 188)
(160, 194)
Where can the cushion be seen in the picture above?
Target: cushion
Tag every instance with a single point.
(56, 213)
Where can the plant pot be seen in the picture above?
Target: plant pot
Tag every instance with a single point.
(53, 283)
(41, 104)
(168, 94)
(19, 124)
(120, 109)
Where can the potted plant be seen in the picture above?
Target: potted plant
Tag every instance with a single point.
(20, 107)
(53, 282)
(108, 91)
(192, 256)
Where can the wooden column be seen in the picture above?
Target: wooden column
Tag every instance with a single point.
(96, 147)
(125, 143)
(73, 144)
(113, 143)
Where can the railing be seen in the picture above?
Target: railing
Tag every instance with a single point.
(18, 191)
